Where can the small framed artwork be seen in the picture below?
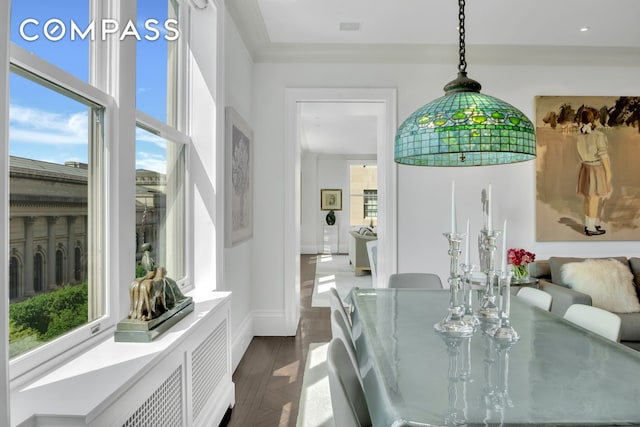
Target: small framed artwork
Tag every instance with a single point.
(238, 179)
(331, 200)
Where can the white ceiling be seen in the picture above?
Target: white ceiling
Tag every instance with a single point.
(275, 27)
(340, 127)
(520, 22)
(405, 30)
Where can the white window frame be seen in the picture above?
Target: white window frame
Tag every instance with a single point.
(118, 183)
(366, 197)
(178, 134)
(173, 136)
(24, 367)
(5, 13)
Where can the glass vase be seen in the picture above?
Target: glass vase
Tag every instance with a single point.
(520, 273)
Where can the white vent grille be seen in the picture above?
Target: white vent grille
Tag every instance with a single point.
(209, 365)
(163, 407)
(349, 26)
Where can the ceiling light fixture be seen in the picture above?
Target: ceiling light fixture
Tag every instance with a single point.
(465, 127)
(584, 29)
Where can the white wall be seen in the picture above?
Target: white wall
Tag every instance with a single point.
(333, 173)
(423, 193)
(324, 171)
(310, 204)
(205, 157)
(238, 277)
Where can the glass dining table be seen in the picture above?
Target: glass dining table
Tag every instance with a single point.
(556, 374)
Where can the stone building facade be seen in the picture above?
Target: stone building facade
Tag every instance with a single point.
(47, 226)
(48, 223)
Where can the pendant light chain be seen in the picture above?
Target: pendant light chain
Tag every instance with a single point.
(462, 66)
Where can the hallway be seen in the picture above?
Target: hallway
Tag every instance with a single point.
(268, 379)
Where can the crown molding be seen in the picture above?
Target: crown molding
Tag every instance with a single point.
(253, 31)
(447, 54)
(250, 24)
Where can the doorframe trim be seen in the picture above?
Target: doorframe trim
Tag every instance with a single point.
(387, 185)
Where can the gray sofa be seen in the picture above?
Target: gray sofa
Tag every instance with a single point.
(549, 274)
(358, 256)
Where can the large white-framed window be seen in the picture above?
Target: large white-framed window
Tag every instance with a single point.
(56, 200)
(162, 144)
(161, 159)
(157, 60)
(72, 240)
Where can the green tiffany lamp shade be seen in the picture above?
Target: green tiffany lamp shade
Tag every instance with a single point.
(465, 128)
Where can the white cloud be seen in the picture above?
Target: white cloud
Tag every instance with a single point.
(152, 162)
(145, 136)
(37, 126)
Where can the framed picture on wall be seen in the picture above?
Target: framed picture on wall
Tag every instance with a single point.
(238, 179)
(587, 180)
(331, 199)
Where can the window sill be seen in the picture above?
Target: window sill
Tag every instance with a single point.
(86, 386)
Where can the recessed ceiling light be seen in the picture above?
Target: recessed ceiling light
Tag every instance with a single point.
(349, 26)
(584, 29)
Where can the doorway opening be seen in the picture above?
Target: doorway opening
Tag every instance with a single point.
(385, 200)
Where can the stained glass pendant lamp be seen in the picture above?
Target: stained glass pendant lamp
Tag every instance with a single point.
(465, 127)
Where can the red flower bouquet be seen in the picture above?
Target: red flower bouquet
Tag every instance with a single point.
(519, 258)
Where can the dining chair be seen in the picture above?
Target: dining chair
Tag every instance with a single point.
(336, 303)
(536, 297)
(597, 320)
(345, 386)
(372, 252)
(415, 280)
(340, 330)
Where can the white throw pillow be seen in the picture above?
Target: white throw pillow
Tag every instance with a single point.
(609, 282)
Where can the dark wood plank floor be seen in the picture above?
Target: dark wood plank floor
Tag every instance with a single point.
(269, 377)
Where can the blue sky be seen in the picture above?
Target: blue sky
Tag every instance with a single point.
(45, 125)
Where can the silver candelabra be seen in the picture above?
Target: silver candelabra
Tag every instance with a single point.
(469, 316)
(453, 323)
(488, 310)
(504, 330)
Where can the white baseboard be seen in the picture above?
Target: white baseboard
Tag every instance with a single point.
(308, 250)
(313, 250)
(267, 323)
(241, 338)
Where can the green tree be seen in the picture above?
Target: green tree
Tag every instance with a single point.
(46, 316)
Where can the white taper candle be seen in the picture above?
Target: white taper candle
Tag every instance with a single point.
(504, 248)
(466, 249)
(489, 209)
(454, 228)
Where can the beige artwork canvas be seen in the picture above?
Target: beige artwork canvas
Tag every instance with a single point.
(587, 168)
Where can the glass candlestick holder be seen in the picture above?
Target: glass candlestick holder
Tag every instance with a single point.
(505, 331)
(453, 323)
(488, 310)
(469, 316)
